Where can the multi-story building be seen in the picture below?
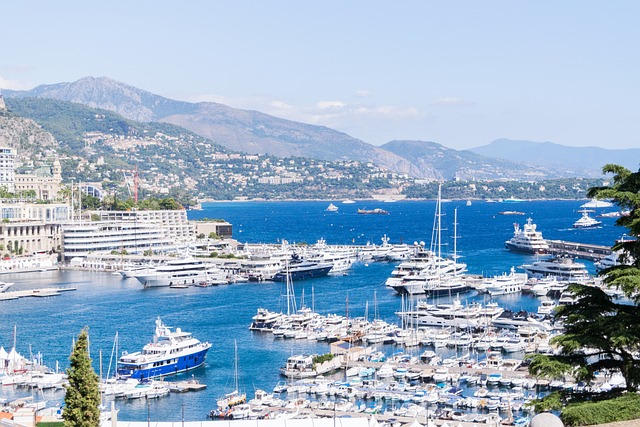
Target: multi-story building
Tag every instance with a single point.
(174, 222)
(132, 237)
(46, 181)
(7, 168)
(32, 227)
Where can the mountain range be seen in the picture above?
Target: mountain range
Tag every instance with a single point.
(254, 132)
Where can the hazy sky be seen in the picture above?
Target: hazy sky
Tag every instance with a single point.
(460, 73)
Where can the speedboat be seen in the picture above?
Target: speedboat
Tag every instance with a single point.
(186, 271)
(527, 240)
(170, 352)
(4, 286)
(332, 208)
(586, 221)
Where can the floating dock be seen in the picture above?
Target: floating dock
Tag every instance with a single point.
(39, 293)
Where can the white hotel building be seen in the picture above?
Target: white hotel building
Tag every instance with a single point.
(81, 240)
(132, 231)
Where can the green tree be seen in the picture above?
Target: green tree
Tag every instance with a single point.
(82, 393)
(602, 335)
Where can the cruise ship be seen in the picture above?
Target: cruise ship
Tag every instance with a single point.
(527, 239)
(182, 272)
(170, 352)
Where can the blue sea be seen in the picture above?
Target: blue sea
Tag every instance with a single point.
(107, 304)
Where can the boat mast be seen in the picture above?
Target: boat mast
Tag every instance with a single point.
(235, 363)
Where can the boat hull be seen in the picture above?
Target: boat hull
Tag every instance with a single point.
(303, 274)
(147, 370)
(525, 250)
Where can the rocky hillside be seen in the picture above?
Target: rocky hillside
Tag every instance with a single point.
(435, 161)
(31, 142)
(258, 133)
(239, 130)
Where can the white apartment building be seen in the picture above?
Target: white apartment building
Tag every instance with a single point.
(7, 169)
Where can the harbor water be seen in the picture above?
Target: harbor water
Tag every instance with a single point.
(108, 304)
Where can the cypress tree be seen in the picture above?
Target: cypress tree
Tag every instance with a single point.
(82, 397)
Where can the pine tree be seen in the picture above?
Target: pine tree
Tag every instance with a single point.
(82, 393)
(600, 334)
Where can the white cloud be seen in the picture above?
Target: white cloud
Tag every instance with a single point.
(14, 84)
(281, 105)
(451, 101)
(323, 105)
(362, 93)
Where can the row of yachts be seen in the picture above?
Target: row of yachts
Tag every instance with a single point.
(474, 326)
(254, 262)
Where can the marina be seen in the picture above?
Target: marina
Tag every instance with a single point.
(109, 303)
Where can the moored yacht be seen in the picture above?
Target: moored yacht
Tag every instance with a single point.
(299, 269)
(264, 320)
(340, 257)
(527, 239)
(170, 352)
(505, 284)
(185, 271)
(455, 314)
(562, 268)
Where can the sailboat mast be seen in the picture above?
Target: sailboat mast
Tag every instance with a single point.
(439, 210)
(235, 363)
(455, 242)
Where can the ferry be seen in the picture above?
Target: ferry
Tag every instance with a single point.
(527, 239)
(169, 353)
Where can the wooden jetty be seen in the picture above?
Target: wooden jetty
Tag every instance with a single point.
(38, 293)
(578, 250)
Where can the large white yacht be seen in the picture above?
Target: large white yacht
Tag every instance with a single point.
(586, 221)
(182, 272)
(527, 239)
(455, 314)
(503, 284)
(562, 268)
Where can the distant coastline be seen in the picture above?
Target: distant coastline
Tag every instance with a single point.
(213, 201)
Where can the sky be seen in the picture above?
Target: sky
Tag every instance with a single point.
(459, 73)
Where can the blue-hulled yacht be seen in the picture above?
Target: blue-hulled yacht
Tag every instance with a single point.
(169, 353)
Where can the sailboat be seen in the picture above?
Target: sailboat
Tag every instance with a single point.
(234, 398)
(445, 284)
